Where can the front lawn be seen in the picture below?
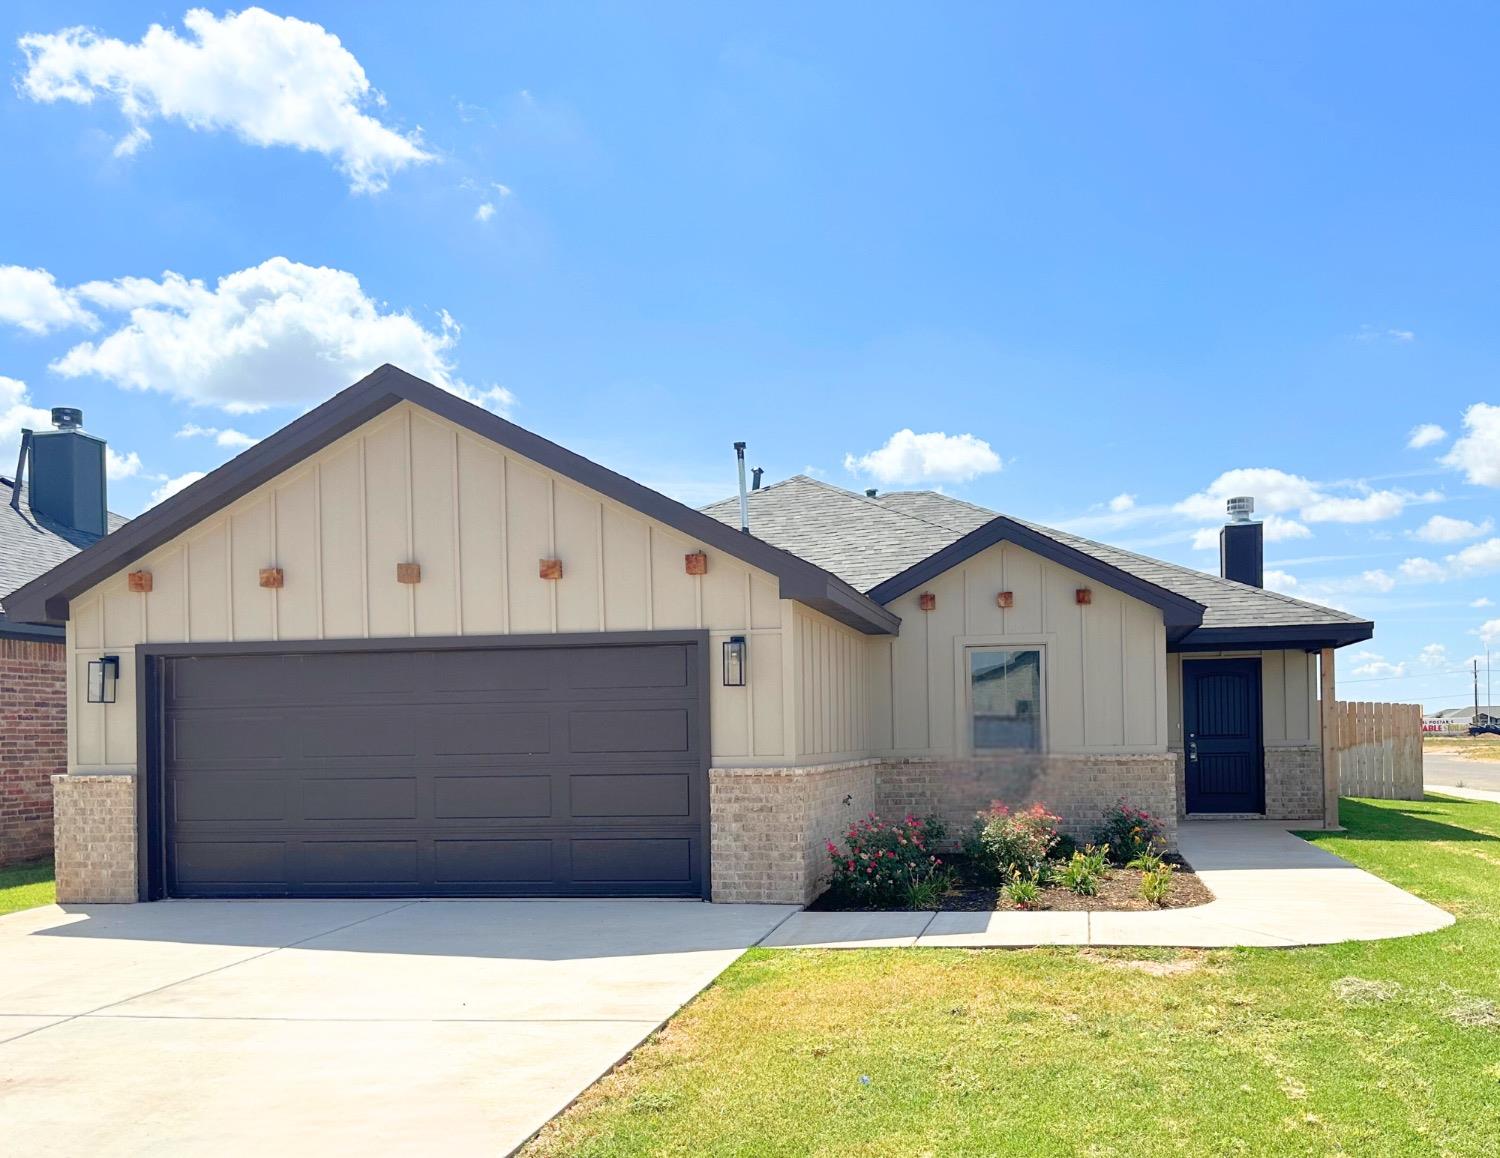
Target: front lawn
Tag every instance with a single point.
(1370, 1048)
(25, 886)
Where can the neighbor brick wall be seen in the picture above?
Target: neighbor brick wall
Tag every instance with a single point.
(1294, 783)
(96, 849)
(33, 744)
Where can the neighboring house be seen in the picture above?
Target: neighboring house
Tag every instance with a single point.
(1459, 719)
(58, 509)
(405, 647)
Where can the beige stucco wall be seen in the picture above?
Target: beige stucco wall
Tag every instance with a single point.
(1104, 662)
(411, 487)
(1288, 693)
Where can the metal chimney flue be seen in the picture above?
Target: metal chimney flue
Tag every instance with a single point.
(739, 454)
(1242, 544)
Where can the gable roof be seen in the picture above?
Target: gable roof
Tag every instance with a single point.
(31, 545)
(1232, 614)
(45, 599)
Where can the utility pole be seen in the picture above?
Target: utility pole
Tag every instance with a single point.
(1476, 691)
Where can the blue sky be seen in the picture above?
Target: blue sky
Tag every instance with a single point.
(1111, 258)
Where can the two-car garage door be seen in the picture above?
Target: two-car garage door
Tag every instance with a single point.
(549, 769)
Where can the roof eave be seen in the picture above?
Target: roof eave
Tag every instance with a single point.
(1301, 636)
(1180, 614)
(46, 598)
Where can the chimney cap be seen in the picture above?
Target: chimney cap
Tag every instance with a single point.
(871, 492)
(1240, 508)
(67, 417)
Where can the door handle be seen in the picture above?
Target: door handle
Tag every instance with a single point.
(1192, 747)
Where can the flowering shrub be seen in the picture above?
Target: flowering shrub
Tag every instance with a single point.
(1004, 844)
(1130, 833)
(889, 864)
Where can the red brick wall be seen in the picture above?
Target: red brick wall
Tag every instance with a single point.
(33, 744)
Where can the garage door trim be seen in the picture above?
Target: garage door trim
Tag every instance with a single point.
(151, 712)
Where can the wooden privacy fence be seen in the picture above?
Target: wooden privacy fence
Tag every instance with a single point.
(1379, 750)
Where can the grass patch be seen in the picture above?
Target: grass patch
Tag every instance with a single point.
(25, 886)
(1372, 1048)
(1473, 747)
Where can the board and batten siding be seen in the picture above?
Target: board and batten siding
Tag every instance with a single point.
(1104, 662)
(411, 487)
(832, 721)
(1288, 695)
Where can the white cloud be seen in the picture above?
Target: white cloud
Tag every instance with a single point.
(271, 80)
(1477, 451)
(32, 300)
(16, 413)
(118, 466)
(1380, 669)
(1275, 491)
(1419, 570)
(1433, 655)
(1121, 503)
(1476, 559)
(1442, 529)
(1277, 529)
(1369, 333)
(277, 334)
(907, 457)
(1377, 580)
(1482, 601)
(1370, 508)
(485, 211)
(227, 438)
(1280, 581)
(1425, 435)
(1489, 632)
(172, 485)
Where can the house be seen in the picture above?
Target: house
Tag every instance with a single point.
(1460, 719)
(405, 647)
(46, 517)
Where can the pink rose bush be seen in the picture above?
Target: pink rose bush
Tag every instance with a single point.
(889, 864)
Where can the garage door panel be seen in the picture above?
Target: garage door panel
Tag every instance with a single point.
(625, 730)
(229, 798)
(537, 771)
(612, 860)
(481, 732)
(492, 797)
(493, 862)
(633, 794)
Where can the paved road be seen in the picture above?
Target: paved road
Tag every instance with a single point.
(1444, 769)
(333, 1027)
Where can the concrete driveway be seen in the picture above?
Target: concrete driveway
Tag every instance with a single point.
(369, 1027)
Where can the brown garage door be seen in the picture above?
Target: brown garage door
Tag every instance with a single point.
(520, 771)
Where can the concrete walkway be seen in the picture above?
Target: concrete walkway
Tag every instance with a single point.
(336, 1027)
(1492, 797)
(1270, 889)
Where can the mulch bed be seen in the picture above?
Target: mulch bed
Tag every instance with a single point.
(1120, 891)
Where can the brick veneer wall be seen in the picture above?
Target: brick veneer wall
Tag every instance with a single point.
(1294, 783)
(96, 842)
(33, 744)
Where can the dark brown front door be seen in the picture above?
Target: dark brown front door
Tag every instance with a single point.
(500, 771)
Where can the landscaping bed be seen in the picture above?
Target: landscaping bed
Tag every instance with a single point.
(1118, 891)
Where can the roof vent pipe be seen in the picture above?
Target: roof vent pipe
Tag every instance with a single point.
(755, 477)
(739, 453)
(1242, 545)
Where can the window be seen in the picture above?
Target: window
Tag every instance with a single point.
(1005, 698)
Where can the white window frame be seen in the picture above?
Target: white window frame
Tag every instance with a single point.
(964, 700)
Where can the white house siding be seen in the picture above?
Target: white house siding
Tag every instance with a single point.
(1288, 691)
(1105, 671)
(411, 487)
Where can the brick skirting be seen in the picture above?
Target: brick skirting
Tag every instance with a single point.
(96, 839)
(770, 825)
(1294, 783)
(33, 744)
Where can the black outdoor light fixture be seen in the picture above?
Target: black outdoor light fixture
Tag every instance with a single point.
(734, 661)
(104, 674)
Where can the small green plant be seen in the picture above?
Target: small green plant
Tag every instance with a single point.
(1023, 892)
(1156, 884)
(1064, 849)
(928, 892)
(1083, 873)
(1149, 862)
(1129, 832)
(1002, 843)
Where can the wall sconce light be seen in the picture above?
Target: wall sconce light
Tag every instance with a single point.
(104, 674)
(734, 661)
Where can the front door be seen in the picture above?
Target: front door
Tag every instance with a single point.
(1222, 735)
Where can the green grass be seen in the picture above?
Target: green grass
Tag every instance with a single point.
(25, 886)
(1374, 1048)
